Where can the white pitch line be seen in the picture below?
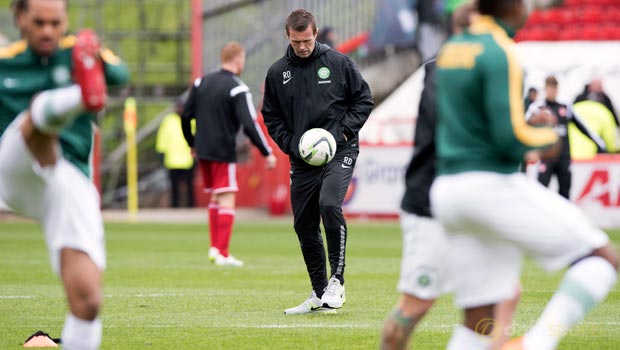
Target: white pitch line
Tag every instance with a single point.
(426, 327)
(151, 295)
(307, 326)
(594, 323)
(157, 295)
(269, 326)
(16, 297)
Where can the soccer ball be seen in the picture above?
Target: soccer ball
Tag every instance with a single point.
(317, 147)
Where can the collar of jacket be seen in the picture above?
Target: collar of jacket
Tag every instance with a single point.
(295, 60)
(492, 25)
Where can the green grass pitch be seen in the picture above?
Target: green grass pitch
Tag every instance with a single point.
(162, 293)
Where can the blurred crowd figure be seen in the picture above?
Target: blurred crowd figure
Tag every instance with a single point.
(433, 26)
(599, 120)
(560, 166)
(594, 92)
(596, 110)
(177, 157)
(532, 95)
(327, 35)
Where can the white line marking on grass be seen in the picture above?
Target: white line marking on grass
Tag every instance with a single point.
(426, 328)
(305, 326)
(247, 326)
(157, 295)
(600, 323)
(301, 326)
(16, 297)
(151, 295)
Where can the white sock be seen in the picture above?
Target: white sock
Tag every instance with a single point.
(584, 285)
(464, 338)
(52, 110)
(80, 334)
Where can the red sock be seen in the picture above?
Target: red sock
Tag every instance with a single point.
(225, 221)
(213, 225)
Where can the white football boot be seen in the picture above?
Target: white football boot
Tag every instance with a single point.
(213, 254)
(229, 260)
(312, 304)
(334, 296)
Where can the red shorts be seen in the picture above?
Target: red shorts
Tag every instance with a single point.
(218, 177)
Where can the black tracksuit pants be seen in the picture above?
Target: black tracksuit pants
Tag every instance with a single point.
(317, 193)
(561, 168)
(178, 178)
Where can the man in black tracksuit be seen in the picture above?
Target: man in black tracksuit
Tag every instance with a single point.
(560, 166)
(313, 86)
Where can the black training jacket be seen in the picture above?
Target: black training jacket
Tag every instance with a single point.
(221, 103)
(324, 90)
(421, 170)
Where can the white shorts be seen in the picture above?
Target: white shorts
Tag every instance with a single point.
(423, 272)
(60, 197)
(496, 218)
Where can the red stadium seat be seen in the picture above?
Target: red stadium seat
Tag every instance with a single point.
(520, 35)
(587, 20)
(353, 43)
(608, 32)
(591, 14)
(555, 16)
(552, 32)
(589, 33)
(565, 15)
(572, 3)
(546, 16)
(616, 34)
(568, 33)
(534, 19)
(533, 34)
(608, 15)
(603, 2)
(612, 14)
(542, 33)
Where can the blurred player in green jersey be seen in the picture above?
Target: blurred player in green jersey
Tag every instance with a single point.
(50, 87)
(492, 212)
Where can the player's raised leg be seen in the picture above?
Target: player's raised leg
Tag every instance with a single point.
(88, 70)
(568, 240)
(585, 284)
(52, 110)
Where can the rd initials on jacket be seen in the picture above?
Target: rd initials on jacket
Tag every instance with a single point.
(347, 162)
(286, 77)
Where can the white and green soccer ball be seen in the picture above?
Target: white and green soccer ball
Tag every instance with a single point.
(317, 147)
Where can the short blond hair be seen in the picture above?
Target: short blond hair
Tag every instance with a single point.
(230, 51)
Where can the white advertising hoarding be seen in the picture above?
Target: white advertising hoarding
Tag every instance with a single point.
(377, 186)
(596, 189)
